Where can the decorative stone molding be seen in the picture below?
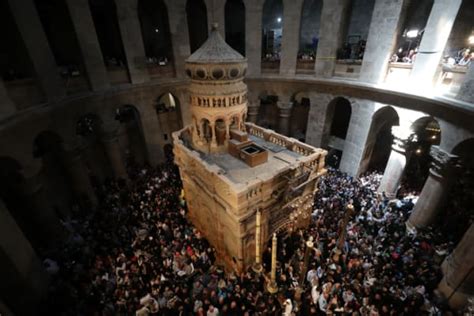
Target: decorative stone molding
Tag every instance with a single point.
(442, 162)
(401, 137)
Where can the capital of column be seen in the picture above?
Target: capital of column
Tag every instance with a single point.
(401, 137)
(442, 162)
(285, 108)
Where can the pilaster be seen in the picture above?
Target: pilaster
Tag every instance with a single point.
(466, 92)
(89, 44)
(37, 46)
(437, 30)
(396, 163)
(331, 33)
(113, 151)
(179, 34)
(284, 116)
(385, 25)
(21, 272)
(253, 36)
(132, 40)
(291, 36)
(458, 280)
(435, 190)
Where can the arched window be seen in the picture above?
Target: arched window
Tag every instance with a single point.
(197, 23)
(235, 25)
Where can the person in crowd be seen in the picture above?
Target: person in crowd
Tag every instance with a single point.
(137, 254)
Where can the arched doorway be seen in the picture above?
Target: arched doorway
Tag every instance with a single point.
(131, 137)
(425, 133)
(379, 140)
(47, 146)
(104, 15)
(196, 14)
(272, 31)
(59, 29)
(167, 109)
(309, 35)
(235, 25)
(338, 116)
(156, 35)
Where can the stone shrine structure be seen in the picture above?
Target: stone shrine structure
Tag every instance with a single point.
(232, 169)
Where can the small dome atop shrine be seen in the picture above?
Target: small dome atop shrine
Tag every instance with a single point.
(215, 50)
(215, 60)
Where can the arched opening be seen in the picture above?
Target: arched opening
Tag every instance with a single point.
(299, 118)
(426, 132)
(338, 116)
(272, 24)
(88, 127)
(235, 25)
(459, 211)
(59, 30)
(206, 130)
(379, 140)
(15, 63)
(47, 146)
(268, 112)
(356, 31)
(131, 137)
(156, 35)
(413, 28)
(309, 35)
(104, 15)
(196, 14)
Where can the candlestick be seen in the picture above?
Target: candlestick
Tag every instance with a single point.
(257, 267)
(272, 287)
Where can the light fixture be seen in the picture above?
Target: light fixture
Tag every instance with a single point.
(157, 30)
(471, 39)
(412, 33)
(278, 19)
(400, 50)
(418, 151)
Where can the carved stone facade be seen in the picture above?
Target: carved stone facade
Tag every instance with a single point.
(223, 188)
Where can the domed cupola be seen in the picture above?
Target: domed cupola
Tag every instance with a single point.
(218, 95)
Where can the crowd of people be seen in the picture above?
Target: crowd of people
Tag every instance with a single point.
(137, 254)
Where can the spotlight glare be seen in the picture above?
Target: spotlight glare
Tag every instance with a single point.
(412, 33)
(278, 19)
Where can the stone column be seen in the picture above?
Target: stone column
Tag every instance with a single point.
(179, 34)
(23, 279)
(7, 107)
(212, 125)
(89, 43)
(216, 14)
(458, 280)
(253, 36)
(78, 174)
(466, 92)
(435, 190)
(437, 30)
(331, 36)
(284, 116)
(114, 153)
(132, 40)
(396, 163)
(291, 36)
(37, 46)
(387, 19)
